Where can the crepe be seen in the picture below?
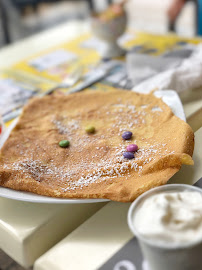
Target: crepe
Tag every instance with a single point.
(93, 166)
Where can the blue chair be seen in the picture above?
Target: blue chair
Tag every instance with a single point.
(199, 17)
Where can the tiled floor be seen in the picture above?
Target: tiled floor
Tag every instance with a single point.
(45, 17)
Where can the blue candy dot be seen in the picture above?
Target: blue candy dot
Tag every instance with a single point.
(127, 135)
(128, 155)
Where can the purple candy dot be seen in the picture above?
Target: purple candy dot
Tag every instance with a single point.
(128, 155)
(127, 135)
(132, 148)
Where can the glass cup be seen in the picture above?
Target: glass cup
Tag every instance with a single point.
(164, 256)
(109, 31)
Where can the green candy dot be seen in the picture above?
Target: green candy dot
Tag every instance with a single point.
(64, 143)
(90, 129)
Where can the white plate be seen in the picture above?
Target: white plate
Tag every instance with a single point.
(35, 198)
(172, 99)
(169, 97)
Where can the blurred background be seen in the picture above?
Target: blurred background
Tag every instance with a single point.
(22, 18)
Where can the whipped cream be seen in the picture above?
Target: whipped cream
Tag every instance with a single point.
(170, 217)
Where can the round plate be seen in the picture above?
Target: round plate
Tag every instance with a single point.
(35, 198)
(170, 97)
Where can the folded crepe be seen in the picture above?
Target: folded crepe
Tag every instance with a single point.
(93, 165)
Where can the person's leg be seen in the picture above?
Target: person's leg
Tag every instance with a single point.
(175, 9)
(91, 5)
(4, 21)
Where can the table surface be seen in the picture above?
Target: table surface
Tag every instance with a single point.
(28, 230)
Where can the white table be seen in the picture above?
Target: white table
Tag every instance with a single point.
(28, 230)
